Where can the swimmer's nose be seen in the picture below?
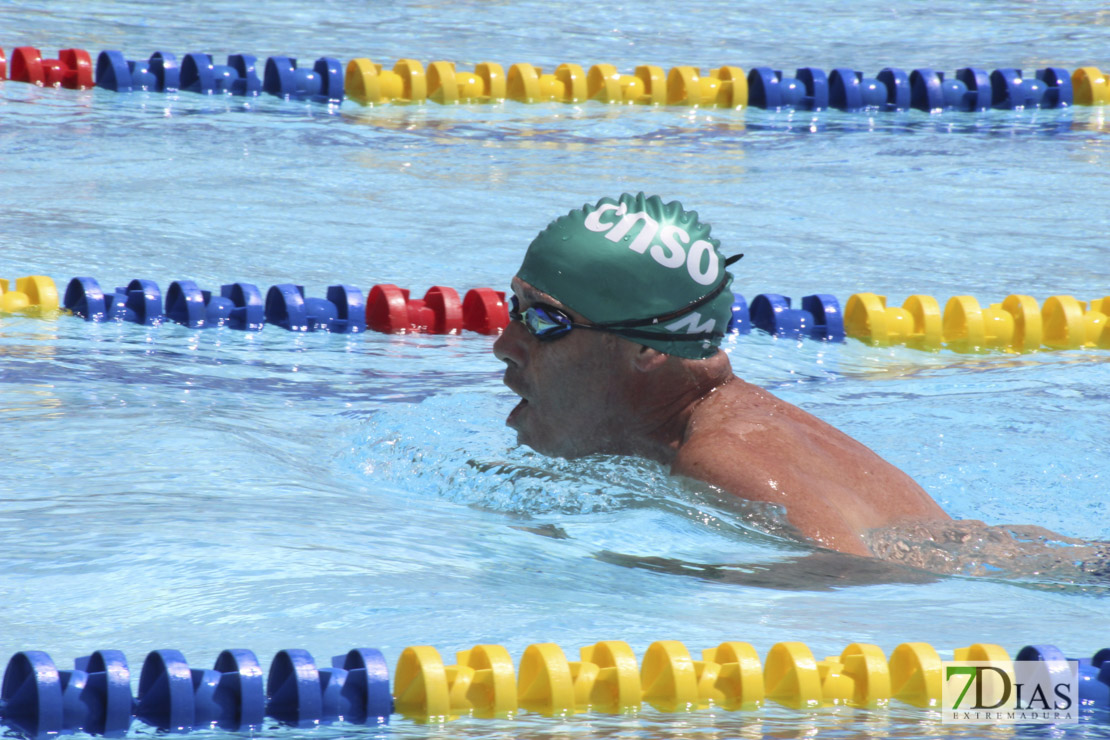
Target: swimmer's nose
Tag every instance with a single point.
(510, 346)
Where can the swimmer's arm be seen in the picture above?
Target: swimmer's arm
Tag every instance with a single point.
(816, 571)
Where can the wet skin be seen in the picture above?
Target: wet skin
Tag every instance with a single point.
(591, 392)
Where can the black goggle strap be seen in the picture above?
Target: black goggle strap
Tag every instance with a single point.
(639, 334)
(562, 327)
(653, 320)
(629, 328)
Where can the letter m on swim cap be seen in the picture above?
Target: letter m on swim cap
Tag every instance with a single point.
(689, 325)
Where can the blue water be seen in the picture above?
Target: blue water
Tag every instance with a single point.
(201, 490)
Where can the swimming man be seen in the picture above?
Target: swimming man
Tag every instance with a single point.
(618, 313)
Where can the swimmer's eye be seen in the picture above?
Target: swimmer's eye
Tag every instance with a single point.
(541, 320)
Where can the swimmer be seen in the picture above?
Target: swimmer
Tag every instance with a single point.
(618, 312)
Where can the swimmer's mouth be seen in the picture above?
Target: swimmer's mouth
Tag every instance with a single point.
(516, 410)
(515, 387)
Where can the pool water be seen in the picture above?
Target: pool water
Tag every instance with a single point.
(200, 490)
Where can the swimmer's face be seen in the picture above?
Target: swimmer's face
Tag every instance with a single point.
(570, 387)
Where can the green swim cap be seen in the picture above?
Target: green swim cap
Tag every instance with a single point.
(631, 260)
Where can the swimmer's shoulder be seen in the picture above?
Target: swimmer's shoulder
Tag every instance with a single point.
(735, 423)
(728, 441)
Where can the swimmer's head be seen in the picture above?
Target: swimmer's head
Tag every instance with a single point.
(647, 270)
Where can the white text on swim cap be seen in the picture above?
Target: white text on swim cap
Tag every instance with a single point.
(691, 325)
(671, 253)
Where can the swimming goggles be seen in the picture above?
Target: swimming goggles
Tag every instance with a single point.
(545, 322)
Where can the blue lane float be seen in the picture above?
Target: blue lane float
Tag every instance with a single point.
(850, 91)
(739, 321)
(355, 688)
(106, 694)
(366, 695)
(819, 317)
(198, 73)
(160, 73)
(1093, 674)
(165, 698)
(1049, 88)
(969, 91)
(31, 700)
(770, 89)
(40, 701)
(1094, 681)
(238, 77)
(322, 83)
(239, 306)
(139, 303)
(925, 89)
(343, 311)
(84, 299)
(174, 697)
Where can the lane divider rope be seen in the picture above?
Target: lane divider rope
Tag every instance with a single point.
(409, 81)
(1017, 324)
(39, 700)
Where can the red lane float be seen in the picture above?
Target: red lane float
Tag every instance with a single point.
(72, 69)
(391, 310)
(485, 311)
(3, 66)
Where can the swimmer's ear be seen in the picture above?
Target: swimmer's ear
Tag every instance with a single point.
(648, 359)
